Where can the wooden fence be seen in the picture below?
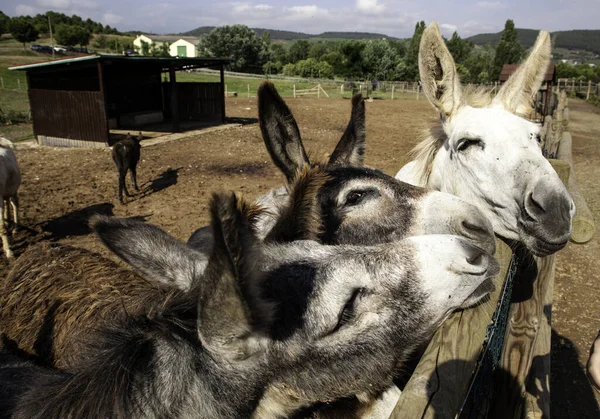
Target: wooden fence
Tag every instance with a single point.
(582, 88)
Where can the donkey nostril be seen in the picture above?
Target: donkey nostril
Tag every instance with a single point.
(473, 229)
(533, 205)
(476, 257)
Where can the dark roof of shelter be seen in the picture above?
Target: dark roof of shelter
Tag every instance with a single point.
(164, 63)
(508, 69)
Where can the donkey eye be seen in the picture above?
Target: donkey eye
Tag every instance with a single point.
(358, 196)
(465, 143)
(347, 312)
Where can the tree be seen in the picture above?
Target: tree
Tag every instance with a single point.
(101, 42)
(351, 64)
(317, 50)
(380, 60)
(299, 51)
(71, 35)
(508, 51)
(278, 53)
(459, 48)
(160, 50)
(4, 22)
(22, 30)
(412, 54)
(239, 42)
(145, 50)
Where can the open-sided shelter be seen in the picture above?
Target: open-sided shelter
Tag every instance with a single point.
(77, 101)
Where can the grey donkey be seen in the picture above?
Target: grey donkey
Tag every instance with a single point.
(264, 330)
(355, 204)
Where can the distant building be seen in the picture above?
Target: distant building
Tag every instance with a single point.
(179, 46)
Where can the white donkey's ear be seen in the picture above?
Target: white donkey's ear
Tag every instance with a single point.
(517, 94)
(438, 72)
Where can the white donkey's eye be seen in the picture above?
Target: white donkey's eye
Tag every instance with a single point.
(465, 143)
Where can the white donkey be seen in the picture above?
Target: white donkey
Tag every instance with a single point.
(486, 153)
(10, 180)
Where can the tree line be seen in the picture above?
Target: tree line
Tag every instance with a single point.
(381, 59)
(67, 30)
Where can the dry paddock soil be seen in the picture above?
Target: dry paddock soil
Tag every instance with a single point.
(63, 187)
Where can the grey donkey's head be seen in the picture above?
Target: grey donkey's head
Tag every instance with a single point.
(304, 321)
(356, 204)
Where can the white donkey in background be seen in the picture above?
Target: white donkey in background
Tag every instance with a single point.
(10, 180)
(484, 151)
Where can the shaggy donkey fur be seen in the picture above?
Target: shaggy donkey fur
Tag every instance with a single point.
(10, 180)
(126, 155)
(266, 330)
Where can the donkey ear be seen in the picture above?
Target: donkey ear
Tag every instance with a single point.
(350, 150)
(517, 94)
(438, 72)
(280, 131)
(230, 306)
(300, 218)
(150, 250)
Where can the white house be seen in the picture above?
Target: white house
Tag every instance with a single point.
(179, 46)
(184, 48)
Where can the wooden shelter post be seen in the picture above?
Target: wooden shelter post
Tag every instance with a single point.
(174, 99)
(103, 93)
(222, 72)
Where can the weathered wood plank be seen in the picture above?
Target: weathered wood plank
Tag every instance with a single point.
(440, 382)
(524, 379)
(584, 226)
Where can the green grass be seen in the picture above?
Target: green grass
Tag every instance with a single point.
(10, 77)
(286, 88)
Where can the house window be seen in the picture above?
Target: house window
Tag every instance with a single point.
(181, 51)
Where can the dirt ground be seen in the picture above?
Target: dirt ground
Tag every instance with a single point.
(63, 187)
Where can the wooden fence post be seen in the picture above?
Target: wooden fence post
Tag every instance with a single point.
(418, 88)
(294, 90)
(342, 89)
(319, 90)
(392, 92)
(248, 91)
(587, 96)
(225, 90)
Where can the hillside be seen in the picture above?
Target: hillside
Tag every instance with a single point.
(587, 40)
(292, 36)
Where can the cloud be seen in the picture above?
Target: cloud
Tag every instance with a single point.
(25, 10)
(302, 12)
(67, 4)
(111, 19)
(472, 27)
(448, 29)
(251, 11)
(370, 6)
(493, 5)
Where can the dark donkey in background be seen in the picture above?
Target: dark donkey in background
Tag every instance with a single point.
(265, 330)
(126, 155)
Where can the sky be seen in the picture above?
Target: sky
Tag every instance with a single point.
(394, 18)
